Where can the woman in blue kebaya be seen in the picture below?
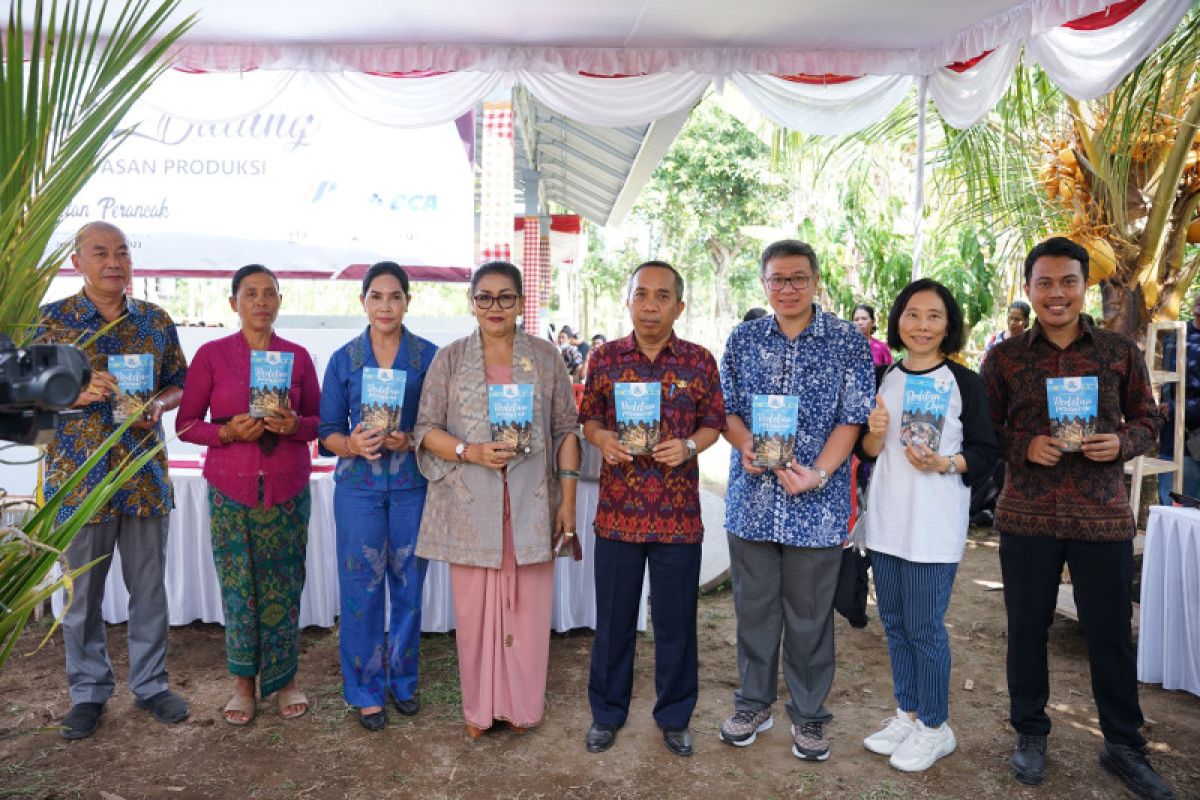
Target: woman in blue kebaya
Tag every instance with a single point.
(377, 504)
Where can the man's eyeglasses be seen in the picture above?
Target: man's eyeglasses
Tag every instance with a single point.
(505, 301)
(799, 282)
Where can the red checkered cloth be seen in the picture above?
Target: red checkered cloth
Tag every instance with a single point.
(496, 183)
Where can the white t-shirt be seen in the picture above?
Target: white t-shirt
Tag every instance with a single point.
(914, 515)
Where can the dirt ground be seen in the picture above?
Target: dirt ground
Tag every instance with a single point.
(327, 755)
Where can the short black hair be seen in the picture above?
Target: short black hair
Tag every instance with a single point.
(248, 270)
(385, 268)
(658, 265)
(601, 337)
(954, 315)
(758, 312)
(785, 248)
(1057, 246)
(864, 307)
(504, 268)
(1022, 306)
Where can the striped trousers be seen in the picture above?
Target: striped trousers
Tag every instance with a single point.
(913, 598)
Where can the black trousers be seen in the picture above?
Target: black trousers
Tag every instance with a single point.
(674, 590)
(1102, 579)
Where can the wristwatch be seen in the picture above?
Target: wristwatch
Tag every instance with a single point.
(951, 468)
(460, 451)
(691, 447)
(822, 474)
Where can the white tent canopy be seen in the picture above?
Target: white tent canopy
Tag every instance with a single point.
(626, 62)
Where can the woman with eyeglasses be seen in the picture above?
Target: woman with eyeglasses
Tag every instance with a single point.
(494, 507)
(378, 499)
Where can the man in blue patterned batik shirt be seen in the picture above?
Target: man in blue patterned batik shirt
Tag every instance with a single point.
(136, 516)
(786, 526)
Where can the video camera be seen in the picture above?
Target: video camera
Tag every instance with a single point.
(35, 383)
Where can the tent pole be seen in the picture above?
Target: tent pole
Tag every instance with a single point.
(919, 192)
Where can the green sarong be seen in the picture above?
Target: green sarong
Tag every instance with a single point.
(259, 553)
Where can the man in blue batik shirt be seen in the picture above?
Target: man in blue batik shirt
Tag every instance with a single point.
(786, 527)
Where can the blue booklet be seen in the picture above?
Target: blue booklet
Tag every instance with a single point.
(382, 398)
(510, 413)
(639, 415)
(773, 428)
(270, 380)
(1074, 404)
(923, 414)
(134, 373)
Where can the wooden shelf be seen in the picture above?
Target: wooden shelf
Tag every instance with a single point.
(1159, 377)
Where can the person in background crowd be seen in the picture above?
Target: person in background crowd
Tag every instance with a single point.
(758, 312)
(786, 527)
(377, 504)
(1067, 503)
(916, 522)
(571, 356)
(864, 320)
(580, 345)
(136, 516)
(258, 496)
(493, 511)
(1018, 322)
(1191, 413)
(597, 340)
(649, 510)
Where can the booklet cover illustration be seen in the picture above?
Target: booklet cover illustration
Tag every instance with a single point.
(1074, 404)
(773, 428)
(270, 379)
(134, 373)
(639, 415)
(510, 412)
(923, 414)
(382, 398)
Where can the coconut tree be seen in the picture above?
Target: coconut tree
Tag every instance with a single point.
(1119, 174)
(69, 72)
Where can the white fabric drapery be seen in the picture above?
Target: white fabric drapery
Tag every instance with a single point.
(651, 84)
(1169, 629)
(832, 108)
(1087, 64)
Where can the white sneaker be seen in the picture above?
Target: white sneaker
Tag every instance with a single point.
(923, 748)
(895, 730)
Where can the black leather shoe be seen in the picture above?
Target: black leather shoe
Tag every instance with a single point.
(166, 706)
(1130, 765)
(82, 720)
(600, 737)
(373, 722)
(1029, 759)
(407, 707)
(678, 742)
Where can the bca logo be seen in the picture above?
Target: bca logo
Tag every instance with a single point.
(1072, 384)
(385, 375)
(637, 390)
(132, 361)
(274, 357)
(510, 390)
(774, 401)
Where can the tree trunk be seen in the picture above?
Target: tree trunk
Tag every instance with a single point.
(1124, 309)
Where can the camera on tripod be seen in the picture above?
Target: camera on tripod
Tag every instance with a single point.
(36, 382)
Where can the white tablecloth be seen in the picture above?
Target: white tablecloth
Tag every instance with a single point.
(193, 592)
(1169, 629)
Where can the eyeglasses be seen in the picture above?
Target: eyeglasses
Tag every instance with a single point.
(505, 301)
(798, 282)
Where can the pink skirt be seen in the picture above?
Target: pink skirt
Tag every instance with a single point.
(502, 619)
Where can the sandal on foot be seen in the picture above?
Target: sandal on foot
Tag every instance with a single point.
(239, 704)
(291, 697)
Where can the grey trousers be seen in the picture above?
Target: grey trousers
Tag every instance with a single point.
(782, 591)
(143, 543)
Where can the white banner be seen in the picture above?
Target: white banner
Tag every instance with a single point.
(276, 168)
